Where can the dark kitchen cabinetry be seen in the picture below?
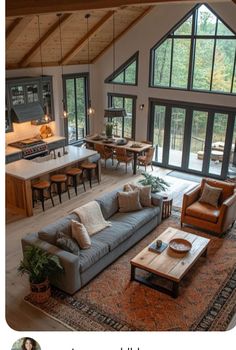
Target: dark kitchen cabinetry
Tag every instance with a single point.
(21, 91)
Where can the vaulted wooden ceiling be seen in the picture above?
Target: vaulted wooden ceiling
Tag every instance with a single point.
(30, 36)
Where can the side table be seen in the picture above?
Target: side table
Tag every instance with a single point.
(166, 207)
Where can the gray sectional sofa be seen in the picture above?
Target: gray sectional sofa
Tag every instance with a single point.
(107, 245)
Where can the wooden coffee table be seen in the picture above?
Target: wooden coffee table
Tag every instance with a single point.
(169, 265)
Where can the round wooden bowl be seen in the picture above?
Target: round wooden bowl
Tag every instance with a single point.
(180, 245)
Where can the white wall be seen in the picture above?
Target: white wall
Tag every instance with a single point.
(142, 37)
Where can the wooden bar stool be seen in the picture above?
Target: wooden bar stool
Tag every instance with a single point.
(39, 188)
(89, 167)
(59, 180)
(73, 174)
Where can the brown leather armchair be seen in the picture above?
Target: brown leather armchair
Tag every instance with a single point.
(215, 219)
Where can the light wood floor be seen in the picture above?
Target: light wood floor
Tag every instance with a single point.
(21, 316)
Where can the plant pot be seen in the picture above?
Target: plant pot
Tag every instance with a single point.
(40, 292)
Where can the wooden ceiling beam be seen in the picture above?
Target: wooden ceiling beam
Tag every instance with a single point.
(19, 8)
(143, 14)
(16, 28)
(45, 38)
(80, 44)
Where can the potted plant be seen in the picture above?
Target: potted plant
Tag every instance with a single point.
(157, 183)
(39, 265)
(109, 129)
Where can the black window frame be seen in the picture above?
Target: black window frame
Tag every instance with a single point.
(87, 98)
(110, 96)
(122, 69)
(194, 36)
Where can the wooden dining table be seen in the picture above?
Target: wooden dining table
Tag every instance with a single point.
(128, 146)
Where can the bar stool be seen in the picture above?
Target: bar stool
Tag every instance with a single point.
(58, 180)
(39, 188)
(89, 167)
(73, 173)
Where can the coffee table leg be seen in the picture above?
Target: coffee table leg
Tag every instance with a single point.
(205, 253)
(132, 277)
(175, 290)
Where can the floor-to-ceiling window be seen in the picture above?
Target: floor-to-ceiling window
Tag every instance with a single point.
(76, 102)
(192, 137)
(123, 126)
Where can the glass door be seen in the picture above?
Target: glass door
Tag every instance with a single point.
(176, 136)
(159, 132)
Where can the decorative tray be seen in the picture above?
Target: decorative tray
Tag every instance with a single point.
(180, 245)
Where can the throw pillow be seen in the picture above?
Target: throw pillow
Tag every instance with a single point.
(67, 243)
(144, 193)
(129, 201)
(210, 195)
(80, 234)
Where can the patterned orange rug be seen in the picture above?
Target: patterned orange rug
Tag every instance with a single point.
(207, 298)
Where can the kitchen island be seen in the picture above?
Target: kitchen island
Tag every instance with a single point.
(21, 173)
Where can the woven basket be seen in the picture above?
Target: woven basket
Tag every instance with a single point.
(41, 292)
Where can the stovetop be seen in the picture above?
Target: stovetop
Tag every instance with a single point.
(27, 143)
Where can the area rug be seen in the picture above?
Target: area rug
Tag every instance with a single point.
(110, 302)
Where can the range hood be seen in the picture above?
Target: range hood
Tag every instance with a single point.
(27, 112)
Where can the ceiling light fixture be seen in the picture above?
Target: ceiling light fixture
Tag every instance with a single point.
(62, 72)
(90, 110)
(46, 118)
(113, 112)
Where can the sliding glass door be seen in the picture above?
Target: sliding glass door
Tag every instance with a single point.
(192, 138)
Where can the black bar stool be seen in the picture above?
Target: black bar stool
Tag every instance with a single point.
(39, 188)
(59, 180)
(73, 173)
(89, 167)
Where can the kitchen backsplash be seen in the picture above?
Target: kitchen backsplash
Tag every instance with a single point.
(24, 131)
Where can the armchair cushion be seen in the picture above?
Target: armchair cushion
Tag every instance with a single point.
(227, 188)
(210, 195)
(203, 211)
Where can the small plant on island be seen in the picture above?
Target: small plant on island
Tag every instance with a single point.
(157, 183)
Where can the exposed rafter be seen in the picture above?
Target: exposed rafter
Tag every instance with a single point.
(16, 28)
(80, 44)
(144, 13)
(18, 8)
(46, 37)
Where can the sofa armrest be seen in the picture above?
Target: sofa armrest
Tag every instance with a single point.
(190, 197)
(228, 212)
(69, 279)
(157, 200)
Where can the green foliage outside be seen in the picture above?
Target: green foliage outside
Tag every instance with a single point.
(223, 60)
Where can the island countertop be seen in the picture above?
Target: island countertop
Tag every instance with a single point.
(28, 169)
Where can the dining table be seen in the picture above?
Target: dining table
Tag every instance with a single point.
(132, 146)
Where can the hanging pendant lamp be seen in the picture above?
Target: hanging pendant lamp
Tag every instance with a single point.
(113, 112)
(63, 101)
(46, 118)
(90, 110)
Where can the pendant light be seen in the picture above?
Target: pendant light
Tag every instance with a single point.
(46, 118)
(113, 112)
(90, 110)
(62, 72)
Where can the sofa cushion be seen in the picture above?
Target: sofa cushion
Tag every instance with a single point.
(116, 234)
(49, 232)
(90, 256)
(108, 203)
(67, 243)
(137, 219)
(203, 211)
(80, 234)
(129, 201)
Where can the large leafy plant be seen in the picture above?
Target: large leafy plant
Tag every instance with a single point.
(39, 264)
(157, 183)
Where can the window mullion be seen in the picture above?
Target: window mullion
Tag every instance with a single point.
(192, 52)
(171, 61)
(233, 75)
(213, 58)
(76, 110)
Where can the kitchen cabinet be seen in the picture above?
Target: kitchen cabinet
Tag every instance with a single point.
(21, 91)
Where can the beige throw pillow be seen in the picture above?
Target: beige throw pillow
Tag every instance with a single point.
(129, 201)
(144, 193)
(210, 195)
(80, 234)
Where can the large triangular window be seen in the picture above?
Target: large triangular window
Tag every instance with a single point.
(126, 74)
(198, 54)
